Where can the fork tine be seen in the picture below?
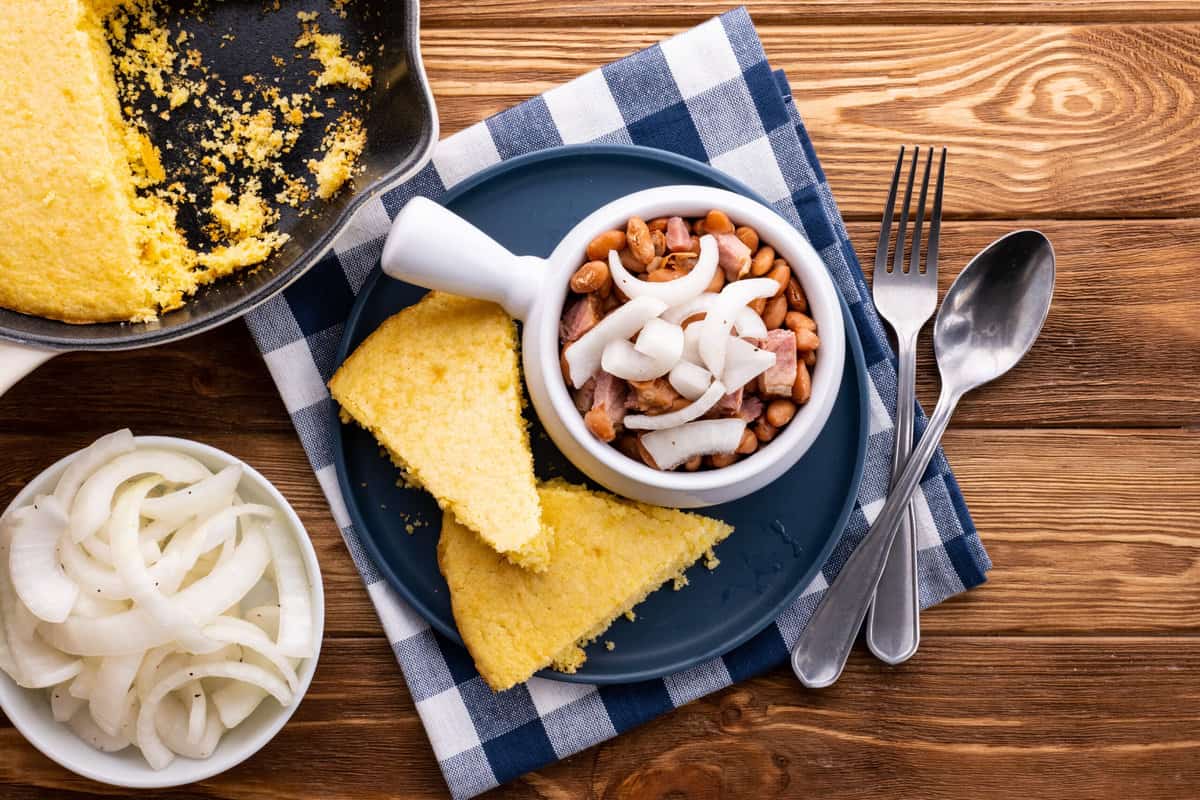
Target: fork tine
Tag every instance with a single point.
(885, 227)
(914, 263)
(935, 220)
(898, 257)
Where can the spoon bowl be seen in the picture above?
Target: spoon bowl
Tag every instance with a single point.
(994, 311)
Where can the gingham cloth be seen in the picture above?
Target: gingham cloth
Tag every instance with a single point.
(710, 94)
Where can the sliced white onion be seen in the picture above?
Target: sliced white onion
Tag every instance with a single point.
(94, 606)
(127, 558)
(198, 500)
(295, 636)
(107, 700)
(719, 320)
(36, 665)
(691, 343)
(249, 636)
(99, 550)
(745, 321)
(63, 704)
(621, 360)
(156, 753)
(660, 340)
(267, 618)
(236, 701)
(87, 729)
(135, 631)
(88, 460)
(673, 292)
(583, 355)
(694, 410)
(197, 705)
(173, 726)
(85, 681)
(37, 576)
(93, 502)
(670, 448)
(689, 379)
(744, 362)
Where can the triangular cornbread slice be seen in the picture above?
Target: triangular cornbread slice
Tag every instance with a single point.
(438, 386)
(606, 556)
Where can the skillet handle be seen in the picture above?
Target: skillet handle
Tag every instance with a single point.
(18, 360)
(433, 247)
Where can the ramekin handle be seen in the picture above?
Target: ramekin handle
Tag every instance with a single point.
(433, 247)
(18, 360)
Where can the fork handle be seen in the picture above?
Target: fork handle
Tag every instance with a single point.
(894, 623)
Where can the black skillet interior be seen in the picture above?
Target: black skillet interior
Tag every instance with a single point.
(241, 37)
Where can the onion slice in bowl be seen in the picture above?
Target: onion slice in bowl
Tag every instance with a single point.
(93, 501)
(717, 323)
(33, 562)
(744, 362)
(671, 447)
(675, 292)
(660, 340)
(90, 459)
(697, 408)
(295, 636)
(689, 379)
(583, 356)
(198, 500)
(745, 321)
(621, 360)
(156, 753)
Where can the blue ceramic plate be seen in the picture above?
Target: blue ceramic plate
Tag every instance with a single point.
(783, 532)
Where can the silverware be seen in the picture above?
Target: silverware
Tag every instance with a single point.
(906, 298)
(990, 318)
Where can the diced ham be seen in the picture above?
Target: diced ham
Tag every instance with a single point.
(584, 396)
(729, 405)
(678, 236)
(651, 397)
(733, 256)
(610, 395)
(752, 408)
(778, 380)
(608, 406)
(581, 317)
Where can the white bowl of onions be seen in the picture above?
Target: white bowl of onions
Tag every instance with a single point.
(700, 332)
(161, 611)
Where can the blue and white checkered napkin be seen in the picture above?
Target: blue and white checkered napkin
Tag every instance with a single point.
(709, 94)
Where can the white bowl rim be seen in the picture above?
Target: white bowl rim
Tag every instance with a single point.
(181, 771)
(809, 269)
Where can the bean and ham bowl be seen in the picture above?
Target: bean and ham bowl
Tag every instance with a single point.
(686, 343)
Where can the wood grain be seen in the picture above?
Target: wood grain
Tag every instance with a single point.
(1079, 718)
(1092, 532)
(1042, 120)
(627, 13)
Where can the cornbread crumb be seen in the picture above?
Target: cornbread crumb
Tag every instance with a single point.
(711, 561)
(680, 582)
(343, 145)
(338, 68)
(606, 556)
(610, 645)
(438, 386)
(631, 615)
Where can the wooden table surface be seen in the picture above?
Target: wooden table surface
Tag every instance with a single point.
(1074, 671)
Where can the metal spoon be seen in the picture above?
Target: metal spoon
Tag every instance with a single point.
(990, 318)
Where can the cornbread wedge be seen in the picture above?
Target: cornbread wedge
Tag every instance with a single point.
(76, 241)
(438, 386)
(607, 555)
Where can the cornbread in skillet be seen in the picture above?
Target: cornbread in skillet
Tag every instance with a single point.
(76, 241)
(438, 385)
(606, 556)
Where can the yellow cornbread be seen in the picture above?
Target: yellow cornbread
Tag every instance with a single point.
(76, 242)
(606, 556)
(438, 386)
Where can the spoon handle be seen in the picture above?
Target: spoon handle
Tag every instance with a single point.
(820, 653)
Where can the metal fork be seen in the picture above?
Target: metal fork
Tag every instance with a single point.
(906, 297)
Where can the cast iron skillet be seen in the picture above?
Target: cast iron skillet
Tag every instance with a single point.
(401, 123)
